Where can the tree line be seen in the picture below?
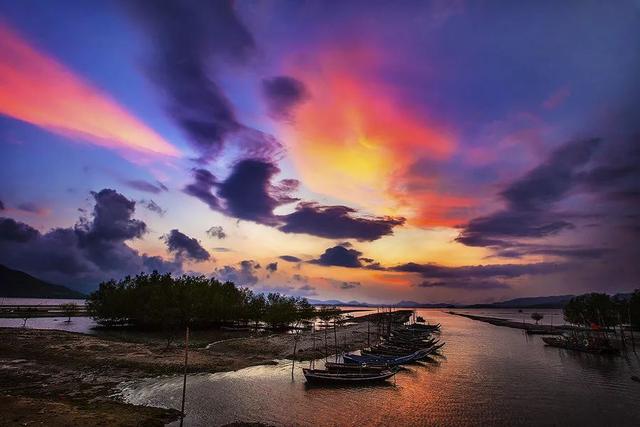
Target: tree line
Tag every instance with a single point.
(164, 302)
(603, 310)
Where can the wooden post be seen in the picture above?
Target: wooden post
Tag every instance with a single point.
(184, 381)
(335, 337)
(368, 332)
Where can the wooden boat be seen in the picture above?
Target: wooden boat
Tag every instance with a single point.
(346, 367)
(328, 377)
(383, 359)
(593, 346)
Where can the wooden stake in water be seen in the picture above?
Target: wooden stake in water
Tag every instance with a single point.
(184, 381)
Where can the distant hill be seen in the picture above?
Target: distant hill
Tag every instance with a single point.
(17, 284)
(557, 301)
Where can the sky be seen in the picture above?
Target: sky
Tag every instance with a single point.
(432, 151)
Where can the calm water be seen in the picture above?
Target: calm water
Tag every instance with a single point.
(82, 325)
(491, 376)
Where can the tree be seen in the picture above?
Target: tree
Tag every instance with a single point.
(634, 309)
(27, 314)
(537, 317)
(69, 309)
(589, 309)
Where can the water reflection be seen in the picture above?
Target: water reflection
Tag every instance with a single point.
(489, 375)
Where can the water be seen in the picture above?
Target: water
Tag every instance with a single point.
(490, 376)
(82, 325)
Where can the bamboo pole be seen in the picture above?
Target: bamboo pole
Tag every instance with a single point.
(184, 380)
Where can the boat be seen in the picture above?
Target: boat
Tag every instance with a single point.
(346, 367)
(587, 345)
(325, 376)
(384, 359)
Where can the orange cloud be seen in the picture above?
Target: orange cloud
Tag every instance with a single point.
(353, 139)
(37, 89)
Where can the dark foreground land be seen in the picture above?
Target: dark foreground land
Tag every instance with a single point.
(58, 378)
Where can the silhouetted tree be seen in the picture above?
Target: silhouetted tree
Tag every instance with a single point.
(537, 317)
(69, 309)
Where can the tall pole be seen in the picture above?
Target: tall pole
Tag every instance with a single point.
(184, 381)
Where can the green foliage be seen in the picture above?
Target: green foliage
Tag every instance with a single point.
(537, 317)
(161, 301)
(593, 308)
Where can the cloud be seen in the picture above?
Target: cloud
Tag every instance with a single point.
(480, 271)
(349, 285)
(335, 222)
(339, 256)
(283, 94)
(142, 185)
(530, 200)
(553, 179)
(248, 193)
(202, 188)
(81, 256)
(153, 207)
(290, 258)
(242, 275)
(35, 85)
(1, 206)
(216, 232)
(272, 267)
(221, 249)
(471, 285)
(191, 40)
(14, 231)
(184, 246)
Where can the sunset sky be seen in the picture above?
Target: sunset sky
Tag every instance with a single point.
(443, 151)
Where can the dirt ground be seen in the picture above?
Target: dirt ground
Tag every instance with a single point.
(60, 378)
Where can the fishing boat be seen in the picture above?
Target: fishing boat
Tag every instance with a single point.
(587, 345)
(346, 367)
(547, 331)
(383, 359)
(325, 376)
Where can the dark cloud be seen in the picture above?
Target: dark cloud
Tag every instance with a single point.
(202, 188)
(184, 246)
(248, 192)
(216, 232)
(337, 222)
(271, 267)
(530, 200)
(153, 207)
(14, 231)
(146, 186)
(30, 207)
(349, 285)
(290, 258)
(480, 271)
(474, 285)
(188, 36)
(81, 256)
(283, 94)
(339, 256)
(242, 275)
(553, 179)
(1, 206)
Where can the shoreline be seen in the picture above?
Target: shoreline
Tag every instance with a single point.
(513, 324)
(66, 378)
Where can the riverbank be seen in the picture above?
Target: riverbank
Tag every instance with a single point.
(64, 378)
(513, 324)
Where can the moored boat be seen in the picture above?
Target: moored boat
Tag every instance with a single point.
(327, 377)
(586, 345)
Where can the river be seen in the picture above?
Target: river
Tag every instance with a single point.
(489, 375)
